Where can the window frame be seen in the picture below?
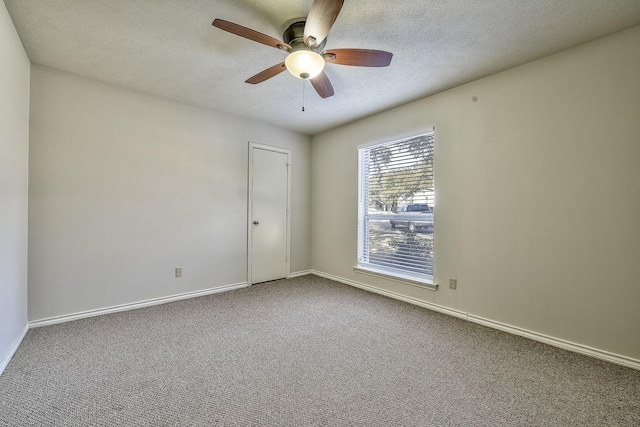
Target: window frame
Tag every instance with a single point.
(398, 275)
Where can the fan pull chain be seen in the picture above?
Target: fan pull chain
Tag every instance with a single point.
(303, 95)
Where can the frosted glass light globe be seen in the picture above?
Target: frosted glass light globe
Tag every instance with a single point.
(304, 64)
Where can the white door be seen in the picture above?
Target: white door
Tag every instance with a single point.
(268, 213)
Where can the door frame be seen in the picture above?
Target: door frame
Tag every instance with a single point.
(256, 146)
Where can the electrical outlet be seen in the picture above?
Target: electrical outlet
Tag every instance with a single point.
(453, 283)
(178, 271)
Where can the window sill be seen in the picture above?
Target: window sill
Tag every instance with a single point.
(405, 279)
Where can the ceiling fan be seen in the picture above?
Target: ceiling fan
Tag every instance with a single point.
(304, 41)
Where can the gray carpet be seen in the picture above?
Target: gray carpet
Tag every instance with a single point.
(304, 352)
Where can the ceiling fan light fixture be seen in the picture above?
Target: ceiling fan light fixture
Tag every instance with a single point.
(300, 40)
(304, 64)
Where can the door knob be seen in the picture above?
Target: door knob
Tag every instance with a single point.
(256, 222)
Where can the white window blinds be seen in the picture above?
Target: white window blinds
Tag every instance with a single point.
(395, 213)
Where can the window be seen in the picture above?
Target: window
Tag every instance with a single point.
(395, 212)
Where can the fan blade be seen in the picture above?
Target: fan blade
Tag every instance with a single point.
(250, 34)
(322, 85)
(358, 57)
(267, 74)
(321, 17)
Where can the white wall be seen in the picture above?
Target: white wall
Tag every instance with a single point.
(124, 187)
(14, 163)
(538, 195)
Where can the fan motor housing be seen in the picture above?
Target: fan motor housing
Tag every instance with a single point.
(294, 36)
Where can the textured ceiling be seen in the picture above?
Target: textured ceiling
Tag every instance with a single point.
(169, 48)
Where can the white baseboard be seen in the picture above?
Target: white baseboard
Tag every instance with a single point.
(557, 342)
(14, 347)
(299, 273)
(132, 306)
(546, 339)
(394, 295)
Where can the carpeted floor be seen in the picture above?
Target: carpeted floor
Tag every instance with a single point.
(304, 352)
